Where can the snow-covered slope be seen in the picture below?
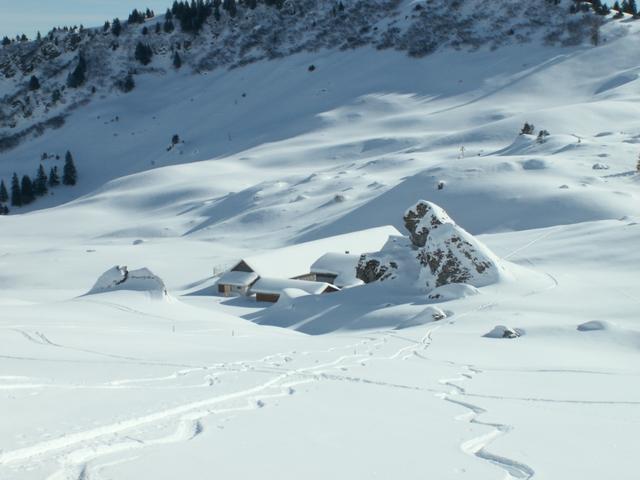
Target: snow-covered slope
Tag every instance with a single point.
(368, 382)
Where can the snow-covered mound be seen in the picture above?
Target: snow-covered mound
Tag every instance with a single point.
(437, 253)
(121, 278)
(501, 331)
(429, 314)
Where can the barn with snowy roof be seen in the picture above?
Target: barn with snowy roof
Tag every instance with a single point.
(319, 266)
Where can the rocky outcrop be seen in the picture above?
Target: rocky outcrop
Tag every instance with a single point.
(371, 269)
(421, 218)
(502, 331)
(437, 252)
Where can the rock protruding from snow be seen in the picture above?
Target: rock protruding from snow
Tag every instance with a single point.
(437, 253)
(594, 325)
(452, 255)
(421, 218)
(502, 331)
(121, 278)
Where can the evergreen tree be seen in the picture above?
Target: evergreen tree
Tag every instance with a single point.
(16, 192)
(143, 53)
(34, 83)
(145, 31)
(56, 96)
(168, 26)
(177, 61)
(26, 186)
(116, 27)
(230, 7)
(632, 8)
(69, 172)
(40, 184)
(54, 178)
(135, 17)
(158, 28)
(6, 41)
(107, 26)
(527, 129)
(4, 210)
(4, 195)
(78, 76)
(127, 84)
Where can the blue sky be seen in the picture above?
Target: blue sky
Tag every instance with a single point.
(29, 16)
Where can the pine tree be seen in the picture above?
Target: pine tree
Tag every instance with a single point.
(16, 192)
(4, 195)
(135, 17)
(40, 184)
(26, 186)
(116, 27)
(69, 172)
(54, 178)
(78, 76)
(527, 129)
(34, 83)
(143, 53)
(177, 61)
(127, 84)
(6, 41)
(230, 7)
(158, 28)
(168, 26)
(4, 210)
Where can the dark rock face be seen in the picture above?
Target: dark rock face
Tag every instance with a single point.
(421, 218)
(453, 256)
(437, 252)
(370, 269)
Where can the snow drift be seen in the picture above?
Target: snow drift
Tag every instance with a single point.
(121, 278)
(437, 252)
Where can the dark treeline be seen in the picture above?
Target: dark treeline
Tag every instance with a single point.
(26, 190)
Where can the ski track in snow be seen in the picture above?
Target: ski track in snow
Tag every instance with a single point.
(478, 446)
(111, 439)
(80, 454)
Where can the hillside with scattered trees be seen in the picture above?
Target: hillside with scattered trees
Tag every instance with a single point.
(48, 77)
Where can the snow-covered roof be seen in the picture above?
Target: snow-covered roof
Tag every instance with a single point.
(296, 260)
(342, 265)
(277, 285)
(238, 279)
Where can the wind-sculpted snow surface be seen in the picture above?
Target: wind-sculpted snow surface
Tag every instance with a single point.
(445, 253)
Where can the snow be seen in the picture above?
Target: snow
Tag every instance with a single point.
(361, 383)
(340, 264)
(239, 279)
(121, 278)
(277, 285)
